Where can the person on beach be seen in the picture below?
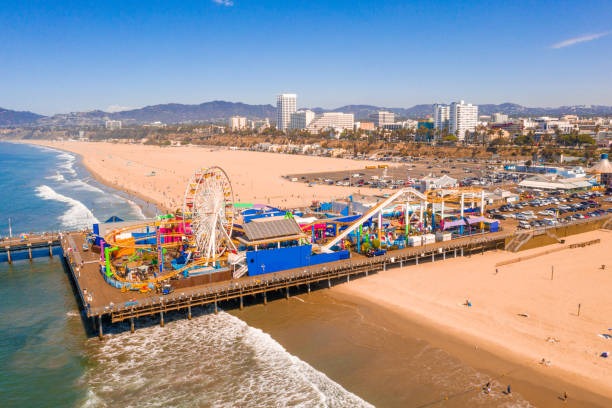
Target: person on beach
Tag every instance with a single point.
(508, 390)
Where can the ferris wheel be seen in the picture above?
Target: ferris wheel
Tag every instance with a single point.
(208, 212)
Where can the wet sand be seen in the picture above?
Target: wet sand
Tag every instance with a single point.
(433, 295)
(392, 361)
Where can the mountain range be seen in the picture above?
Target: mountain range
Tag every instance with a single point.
(217, 111)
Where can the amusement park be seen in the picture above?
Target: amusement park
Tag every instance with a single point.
(212, 238)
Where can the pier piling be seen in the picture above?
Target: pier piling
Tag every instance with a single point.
(8, 254)
(328, 282)
(216, 309)
(242, 303)
(287, 292)
(455, 252)
(30, 251)
(265, 296)
(189, 312)
(161, 318)
(50, 249)
(416, 259)
(131, 324)
(309, 287)
(461, 251)
(100, 332)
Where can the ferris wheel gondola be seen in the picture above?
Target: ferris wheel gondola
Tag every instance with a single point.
(208, 213)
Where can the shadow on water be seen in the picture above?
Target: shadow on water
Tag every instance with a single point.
(91, 328)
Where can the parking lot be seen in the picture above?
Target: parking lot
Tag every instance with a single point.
(549, 209)
(388, 175)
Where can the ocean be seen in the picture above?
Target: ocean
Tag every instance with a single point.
(317, 350)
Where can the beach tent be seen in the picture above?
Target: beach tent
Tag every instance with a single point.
(114, 218)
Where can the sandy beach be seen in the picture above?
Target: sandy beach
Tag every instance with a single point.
(256, 177)
(518, 313)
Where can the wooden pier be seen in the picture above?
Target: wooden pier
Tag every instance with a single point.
(104, 303)
(15, 245)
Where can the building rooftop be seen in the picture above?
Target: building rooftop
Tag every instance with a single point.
(272, 229)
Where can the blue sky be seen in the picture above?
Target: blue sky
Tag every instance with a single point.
(62, 56)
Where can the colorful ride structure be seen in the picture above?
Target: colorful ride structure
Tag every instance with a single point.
(142, 256)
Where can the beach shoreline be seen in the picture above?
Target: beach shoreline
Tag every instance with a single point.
(541, 389)
(571, 356)
(100, 179)
(159, 174)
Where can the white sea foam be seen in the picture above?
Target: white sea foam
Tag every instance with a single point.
(137, 209)
(81, 185)
(212, 361)
(56, 177)
(78, 216)
(68, 163)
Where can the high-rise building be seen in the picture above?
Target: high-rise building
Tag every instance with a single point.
(286, 104)
(237, 122)
(441, 116)
(301, 119)
(331, 120)
(463, 118)
(382, 118)
(458, 118)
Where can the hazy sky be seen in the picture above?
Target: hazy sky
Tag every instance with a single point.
(62, 56)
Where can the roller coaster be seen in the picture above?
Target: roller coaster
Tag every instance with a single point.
(199, 237)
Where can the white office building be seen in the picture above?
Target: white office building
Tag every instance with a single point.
(237, 122)
(441, 116)
(500, 118)
(301, 119)
(112, 124)
(462, 118)
(331, 120)
(286, 104)
(259, 124)
(382, 118)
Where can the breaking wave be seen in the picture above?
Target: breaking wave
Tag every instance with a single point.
(56, 177)
(78, 216)
(68, 163)
(211, 361)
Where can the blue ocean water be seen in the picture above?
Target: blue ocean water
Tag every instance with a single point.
(42, 339)
(49, 190)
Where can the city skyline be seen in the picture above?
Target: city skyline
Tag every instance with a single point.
(61, 57)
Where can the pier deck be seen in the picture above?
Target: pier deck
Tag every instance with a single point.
(109, 302)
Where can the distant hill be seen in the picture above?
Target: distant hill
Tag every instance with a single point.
(216, 111)
(207, 111)
(16, 118)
